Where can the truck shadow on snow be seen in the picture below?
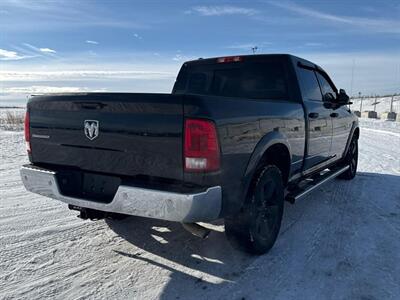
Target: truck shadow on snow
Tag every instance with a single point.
(200, 266)
(195, 264)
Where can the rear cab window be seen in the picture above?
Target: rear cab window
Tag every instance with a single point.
(266, 79)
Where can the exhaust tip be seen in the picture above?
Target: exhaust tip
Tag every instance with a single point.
(197, 230)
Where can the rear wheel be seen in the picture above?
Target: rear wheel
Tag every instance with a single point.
(257, 225)
(351, 160)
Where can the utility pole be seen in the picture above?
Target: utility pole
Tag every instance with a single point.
(361, 100)
(375, 103)
(352, 77)
(391, 104)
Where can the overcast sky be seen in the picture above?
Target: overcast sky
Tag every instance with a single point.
(138, 46)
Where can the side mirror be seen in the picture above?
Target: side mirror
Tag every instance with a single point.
(343, 98)
(329, 98)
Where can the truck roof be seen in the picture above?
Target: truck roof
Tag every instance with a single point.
(252, 57)
(211, 60)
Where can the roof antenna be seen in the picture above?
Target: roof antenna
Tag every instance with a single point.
(254, 49)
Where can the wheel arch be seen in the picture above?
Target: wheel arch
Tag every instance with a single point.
(354, 132)
(272, 149)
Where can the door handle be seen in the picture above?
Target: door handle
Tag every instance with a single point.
(91, 105)
(313, 115)
(334, 115)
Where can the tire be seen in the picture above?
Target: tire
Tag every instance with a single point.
(351, 160)
(256, 227)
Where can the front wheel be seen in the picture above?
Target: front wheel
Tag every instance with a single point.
(257, 225)
(351, 160)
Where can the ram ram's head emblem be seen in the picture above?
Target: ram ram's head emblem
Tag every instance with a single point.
(91, 128)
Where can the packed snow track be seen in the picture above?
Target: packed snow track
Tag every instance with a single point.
(340, 242)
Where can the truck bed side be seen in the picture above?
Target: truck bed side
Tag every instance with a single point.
(243, 126)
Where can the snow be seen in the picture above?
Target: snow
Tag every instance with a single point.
(12, 118)
(383, 104)
(380, 125)
(341, 242)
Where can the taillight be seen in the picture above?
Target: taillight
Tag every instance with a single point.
(27, 132)
(229, 59)
(201, 148)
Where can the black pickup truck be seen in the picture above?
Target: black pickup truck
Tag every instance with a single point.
(236, 137)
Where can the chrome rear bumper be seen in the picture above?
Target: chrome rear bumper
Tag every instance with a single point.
(136, 201)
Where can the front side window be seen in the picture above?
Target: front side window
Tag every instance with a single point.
(326, 87)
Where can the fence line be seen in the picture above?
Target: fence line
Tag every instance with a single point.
(378, 104)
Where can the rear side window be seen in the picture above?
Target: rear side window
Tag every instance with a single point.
(262, 80)
(309, 84)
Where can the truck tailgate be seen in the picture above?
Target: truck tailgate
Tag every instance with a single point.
(136, 134)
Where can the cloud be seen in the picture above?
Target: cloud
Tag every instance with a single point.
(12, 55)
(221, 10)
(69, 15)
(28, 5)
(136, 35)
(375, 25)
(179, 57)
(41, 89)
(242, 46)
(92, 42)
(47, 50)
(249, 46)
(31, 47)
(13, 76)
(313, 44)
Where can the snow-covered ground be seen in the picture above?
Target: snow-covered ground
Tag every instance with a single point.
(13, 115)
(383, 104)
(341, 242)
